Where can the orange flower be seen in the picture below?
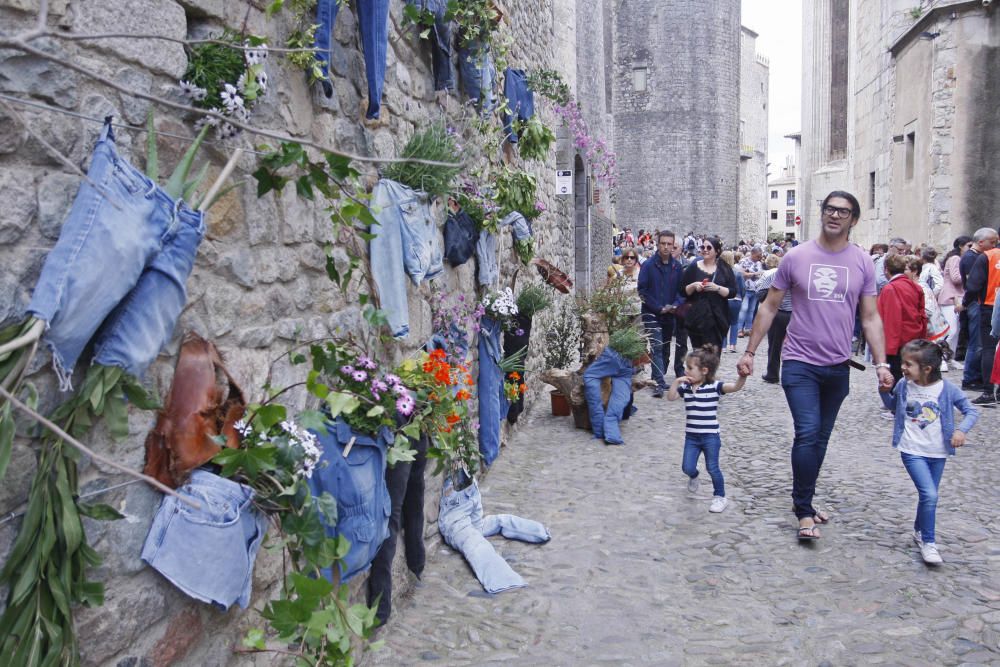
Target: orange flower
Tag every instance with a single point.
(428, 367)
(442, 376)
(515, 375)
(468, 380)
(438, 354)
(444, 429)
(432, 396)
(453, 418)
(523, 388)
(463, 395)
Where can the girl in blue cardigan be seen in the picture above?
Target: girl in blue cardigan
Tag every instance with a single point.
(925, 431)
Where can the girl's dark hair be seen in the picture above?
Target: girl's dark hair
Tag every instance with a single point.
(855, 206)
(927, 355)
(956, 247)
(707, 357)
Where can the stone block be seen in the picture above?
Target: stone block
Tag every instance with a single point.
(298, 215)
(221, 305)
(19, 204)
(142, 17)
(133, 108)
(262, 217)
(120, 542)
(12, 134)
(239, 265)
(31, 76)
(56, 192)
(312, 256)
(256, 337)
(131, 606)
(184, 631)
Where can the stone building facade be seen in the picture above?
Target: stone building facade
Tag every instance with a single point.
(899, 107)
(754, 90)
(259, 285)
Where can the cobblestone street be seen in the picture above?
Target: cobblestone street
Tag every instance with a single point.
(638, 572)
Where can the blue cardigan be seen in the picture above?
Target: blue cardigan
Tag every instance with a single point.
(951, 399)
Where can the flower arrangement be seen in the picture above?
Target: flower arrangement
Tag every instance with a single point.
(501, 306)
(436, 143)
(454, 317)
(477, 20)
(613, 304)
(629, 342)
(516, 192)
(226, 80)
(480, 204)
(601, 159)
(378, 399)
(514, 387)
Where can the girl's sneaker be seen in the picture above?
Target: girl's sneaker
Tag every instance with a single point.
(693, 484)
(718, 504)
(929, 552)
(918, 537)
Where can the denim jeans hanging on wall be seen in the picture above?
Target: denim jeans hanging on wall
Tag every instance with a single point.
(128, 224)
(464, 528)
(460, 238)
(520, 101)
(492, 402)
(605, 423)
(487, 267)
(444, 78)
(357, 482)
(373, 25)
(479, 75)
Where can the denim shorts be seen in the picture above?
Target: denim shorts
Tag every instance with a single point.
(208, 553)
(125, 243)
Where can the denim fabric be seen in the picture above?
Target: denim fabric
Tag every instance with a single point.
(987, 343)
(747, 311)
(775, 340)
(519, 225)
(605, 423)
(661, 329)
(405, 482)
(488, 268)
(520, 101)
(460, 238)
(208, 553)
(357, 482)
(710, 444)
(926, 475)
(513, 343)
(373, 24)
(444, 78)
(478, 75)
(952, 398)
(814, 395)
(974, 351)
(734, 317)
(464, 528)
(115, 237)
(493, 404)
(406, 240)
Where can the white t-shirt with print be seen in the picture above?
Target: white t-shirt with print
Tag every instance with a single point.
(922, 421)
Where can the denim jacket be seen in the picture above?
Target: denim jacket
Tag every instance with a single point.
(951, 399)
(659, 283)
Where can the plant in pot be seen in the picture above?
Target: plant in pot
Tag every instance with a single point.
(562, 350)
(530, 300)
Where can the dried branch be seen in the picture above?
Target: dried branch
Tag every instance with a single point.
(74, 37)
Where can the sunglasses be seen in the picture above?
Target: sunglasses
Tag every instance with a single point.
(708, 247)
(631, 257)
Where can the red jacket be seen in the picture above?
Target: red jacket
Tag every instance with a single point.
(901, 306)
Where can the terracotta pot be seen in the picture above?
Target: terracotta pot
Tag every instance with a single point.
(642, 361)
(581, 417)
(560, 404)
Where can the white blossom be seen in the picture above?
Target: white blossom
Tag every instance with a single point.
(231, 98)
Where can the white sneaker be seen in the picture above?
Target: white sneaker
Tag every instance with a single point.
(718, 504)
(918, 538)
(929, 552)
(887, 415)
(693, 484)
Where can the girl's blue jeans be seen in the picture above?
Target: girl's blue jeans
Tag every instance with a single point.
(709, 443)
(926, 475)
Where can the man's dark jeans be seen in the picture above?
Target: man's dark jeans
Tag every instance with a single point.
(661, 329)
(987, 343)
(406, 491)
(974, 350)
(775, 339)
(814, 395)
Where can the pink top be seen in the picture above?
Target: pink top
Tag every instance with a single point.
(952, 291)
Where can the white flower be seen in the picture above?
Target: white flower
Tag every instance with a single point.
(231, 98)
(211, 121)
(242, 428)
(241, 83)
(226, 131)
(261, 79)
(255, 55)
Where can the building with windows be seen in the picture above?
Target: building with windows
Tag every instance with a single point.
(754, 80)
(784, 219)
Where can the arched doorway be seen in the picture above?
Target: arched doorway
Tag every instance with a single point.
(581, 226)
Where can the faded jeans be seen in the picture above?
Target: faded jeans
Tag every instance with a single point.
(464, 528)
(735, 305)
(605, 423)
(493, 403)
(406, 242)
(373, 25)
(926, 475)
(478, 75)
(487, 266)
(710, 444)
(127, 245)
(444, 78)
(747, 311)
(520, 101)
(208, 553)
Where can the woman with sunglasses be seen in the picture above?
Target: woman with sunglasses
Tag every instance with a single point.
(628, 274)
(708, 283)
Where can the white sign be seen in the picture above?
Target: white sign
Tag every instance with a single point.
(564, 182)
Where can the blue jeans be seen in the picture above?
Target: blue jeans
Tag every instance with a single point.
(814, 395)
(708, 443)
(464, 528)
(208, 553)
(735, 305)
(974, 351)
(520, 101)
(605, 423)
(661, 329)
(373, 24)
(406, 242)
(926, 475)
(493, 404)
(478, 75)
(747, 311)
(125, 243)
(520, 228)
(441, 48)
(487, 266)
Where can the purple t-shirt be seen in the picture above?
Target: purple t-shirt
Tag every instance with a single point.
(826, 287)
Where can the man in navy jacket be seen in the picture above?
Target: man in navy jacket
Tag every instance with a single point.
(659, 281)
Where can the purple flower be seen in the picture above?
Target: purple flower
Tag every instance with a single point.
(393, 380)
(347, 370)
(405, 405)
(365, 362)
(359, 376)
(539, 206)
(377, 396)
(378, 385)
(519, 332)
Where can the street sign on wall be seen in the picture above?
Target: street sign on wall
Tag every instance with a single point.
(564, 182)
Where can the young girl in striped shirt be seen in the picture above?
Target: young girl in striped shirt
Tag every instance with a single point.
(701, 393)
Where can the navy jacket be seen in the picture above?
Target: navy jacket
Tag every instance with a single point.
(659, 284)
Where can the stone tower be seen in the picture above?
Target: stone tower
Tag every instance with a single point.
(676, 87)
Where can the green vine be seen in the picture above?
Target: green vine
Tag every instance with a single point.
(516, 192)
(534, 138)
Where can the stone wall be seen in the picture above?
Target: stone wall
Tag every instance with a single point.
(754, 87)
(259, 284)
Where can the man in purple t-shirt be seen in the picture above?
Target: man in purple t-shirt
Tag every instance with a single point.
(828, 277)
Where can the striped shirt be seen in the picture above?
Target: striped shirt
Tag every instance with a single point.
(701, 406)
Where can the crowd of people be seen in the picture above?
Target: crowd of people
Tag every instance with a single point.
(825, 306)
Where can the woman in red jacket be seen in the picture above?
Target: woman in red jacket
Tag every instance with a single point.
(901, 306)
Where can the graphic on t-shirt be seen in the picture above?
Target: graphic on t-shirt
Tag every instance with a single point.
(828, 283)
(922, 414)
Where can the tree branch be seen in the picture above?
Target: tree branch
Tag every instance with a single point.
(75, 37)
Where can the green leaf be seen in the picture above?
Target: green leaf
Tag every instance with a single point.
(175, 186)
(254, 638)
(99, 511)
(152, 157)
(195, 183)
(327, 506)
(92, 593)
(303, 188)
(270, 415)
(311, 419)
(6, 438)
(250, 461)
(396, 454)
(375, 411)
(138, 395)
(116, 415)
(341, 403)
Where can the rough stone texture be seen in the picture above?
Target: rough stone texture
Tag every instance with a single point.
(754, 80)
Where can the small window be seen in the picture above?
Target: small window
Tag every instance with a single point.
(774, 215)
(871, 189)
(639, 79)
(774, 194)
(911, 145)
(789, 197)
(789, 218)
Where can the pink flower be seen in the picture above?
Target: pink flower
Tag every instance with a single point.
(405, 405)
(347, 370)
(359, 376)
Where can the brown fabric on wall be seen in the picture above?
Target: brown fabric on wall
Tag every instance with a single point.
(204, 401)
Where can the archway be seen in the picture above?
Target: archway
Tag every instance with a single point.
(581, 226)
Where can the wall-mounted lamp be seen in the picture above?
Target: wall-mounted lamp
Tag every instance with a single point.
(929, 35)
(897, 138)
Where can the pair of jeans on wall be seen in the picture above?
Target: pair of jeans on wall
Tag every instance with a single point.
(709, 443)
(493, 403)
(605, 423)
(405, 482)
(441, 42)
(373, 25)
(519, 226)
(406, 242)
(479, 75)
(460, 238)
(926, 474)
(661, 329)
(520, 101)
(357, 483)
(464, 528)
(118, 269)
(487, 266)
(814, 395)
(209, 552)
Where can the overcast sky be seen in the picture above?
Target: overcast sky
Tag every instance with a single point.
(779, 24)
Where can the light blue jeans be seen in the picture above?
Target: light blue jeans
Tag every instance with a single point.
(926, 475)
(373, 25)
(479, 75)
(710, 444)
(487, 266)
(605, 423)
(464, 528)
(519, 225)
(125, 243)
(406, 242)
(208, 553)
(747, 311)
(493, 404)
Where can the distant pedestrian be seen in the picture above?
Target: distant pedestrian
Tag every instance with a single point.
(707, 284)
(701, 393)
(659, 289)
(925, 433)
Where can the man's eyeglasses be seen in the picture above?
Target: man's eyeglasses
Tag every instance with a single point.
(835, 212)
